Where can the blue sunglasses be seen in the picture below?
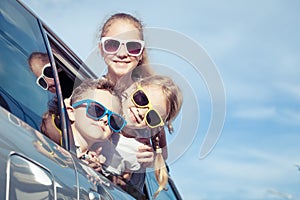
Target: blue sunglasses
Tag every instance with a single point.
(96, 111)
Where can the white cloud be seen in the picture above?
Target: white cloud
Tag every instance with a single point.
(280, 115)
(292, 90)
(246, 172)
(256, 113)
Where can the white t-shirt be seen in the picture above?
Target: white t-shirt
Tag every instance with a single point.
(120, 154)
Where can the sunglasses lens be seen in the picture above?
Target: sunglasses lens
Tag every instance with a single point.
(140, 98)
(134, 48)
(111, 45)
(95, 110)
(48, 72)
(116, 122)
(42, 82)
(153, 118)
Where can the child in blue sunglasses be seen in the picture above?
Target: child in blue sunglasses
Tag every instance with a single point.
(92, 110)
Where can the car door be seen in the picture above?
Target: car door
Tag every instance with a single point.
(32, 166)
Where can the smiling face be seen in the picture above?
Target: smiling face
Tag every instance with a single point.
(37, 62)
(120, 63)
(134, 114)
(93, 130)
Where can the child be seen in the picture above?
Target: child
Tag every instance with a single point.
(122, 48)
(147, 105)
(90, 113)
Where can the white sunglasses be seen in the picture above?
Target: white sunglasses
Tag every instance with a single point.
(46, 72)
(112, 45)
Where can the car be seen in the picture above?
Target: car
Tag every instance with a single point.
(34, 166)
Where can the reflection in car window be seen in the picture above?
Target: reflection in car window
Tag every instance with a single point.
(20, 28)
(40, 66)
(21, 89)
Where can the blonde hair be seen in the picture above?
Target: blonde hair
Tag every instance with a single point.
(40, 57)
(174, 102)
(90, 84)
(142, 69)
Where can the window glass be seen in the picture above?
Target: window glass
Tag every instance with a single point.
(26, 78)
(20, 27)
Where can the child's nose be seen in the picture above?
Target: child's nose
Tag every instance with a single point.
(122, 51)
(104, 120)
(142, 111)
(50, 81)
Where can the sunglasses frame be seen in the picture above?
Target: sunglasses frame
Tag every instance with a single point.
(42, 76)
(107, 112)
(53, 117)
(104, 39)
(149, 106)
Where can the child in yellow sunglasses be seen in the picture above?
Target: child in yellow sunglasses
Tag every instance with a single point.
(148, 105)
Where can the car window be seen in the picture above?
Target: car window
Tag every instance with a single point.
(71, 70)
(20, 91)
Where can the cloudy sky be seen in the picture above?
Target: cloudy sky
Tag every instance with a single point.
(254, 47)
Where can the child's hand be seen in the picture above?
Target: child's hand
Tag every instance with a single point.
(94, 160)
(145, 155)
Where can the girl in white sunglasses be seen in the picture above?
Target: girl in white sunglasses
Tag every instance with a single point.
(122, 47)
(40, 66)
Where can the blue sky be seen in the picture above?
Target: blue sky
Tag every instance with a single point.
(255, 47)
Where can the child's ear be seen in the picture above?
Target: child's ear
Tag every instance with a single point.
(71, 114)
(67, 101)
(140, 58)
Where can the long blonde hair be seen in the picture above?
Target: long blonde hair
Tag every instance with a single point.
(174, 102)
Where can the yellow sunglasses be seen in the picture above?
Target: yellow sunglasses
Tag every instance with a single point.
(141, 100)
(56, 124)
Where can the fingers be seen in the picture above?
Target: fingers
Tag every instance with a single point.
(145, 154)
(102, 159)
(93, 160)
(144, 148)
(98, 150)
(146, 160)
(96, 166)
(145, 157)
(126, 176)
